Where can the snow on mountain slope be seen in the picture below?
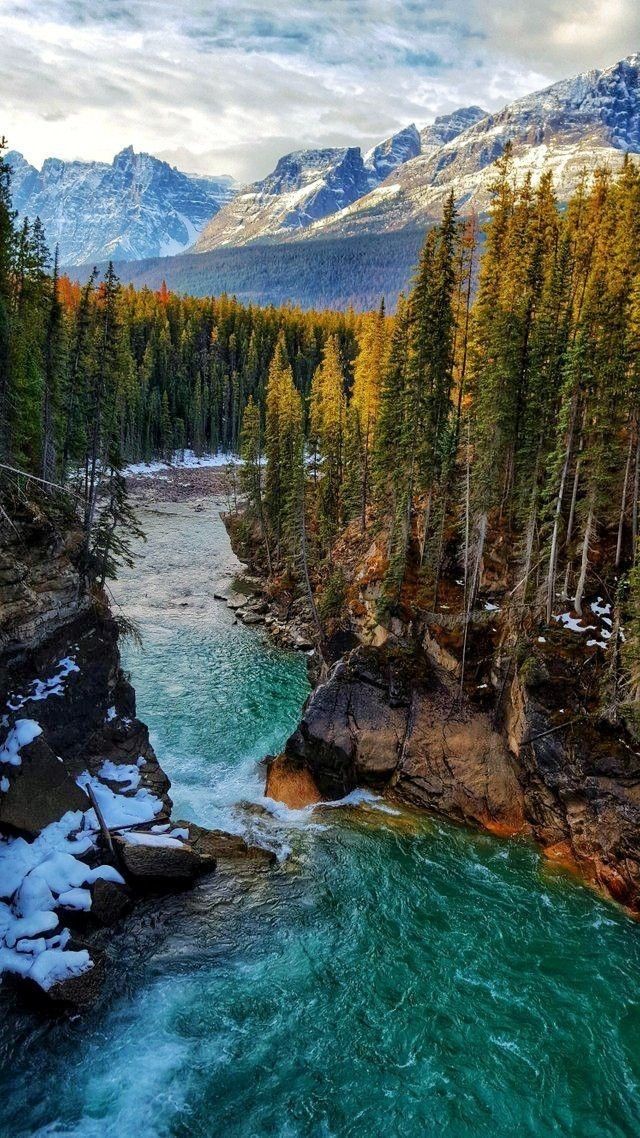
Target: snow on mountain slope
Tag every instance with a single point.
(310, 186)
(305, 186)
(446, 127)
(393, 152)
(570, 127)
(133, 208)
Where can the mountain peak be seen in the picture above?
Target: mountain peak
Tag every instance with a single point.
(394, 151)
(444, 128)
(135, 207)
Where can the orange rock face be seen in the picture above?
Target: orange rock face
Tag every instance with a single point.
(291, 784)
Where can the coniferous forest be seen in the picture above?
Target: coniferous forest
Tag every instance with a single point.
(499, 406)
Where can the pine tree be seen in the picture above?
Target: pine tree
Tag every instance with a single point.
(7, 250)
(369, 370)
(328, 426)
(251, 475)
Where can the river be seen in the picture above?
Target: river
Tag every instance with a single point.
(391, 976)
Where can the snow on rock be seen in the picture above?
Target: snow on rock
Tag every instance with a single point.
(22, 733)
(56, 964)
(126, 773)
(144, 838)
(36, 879)
(120, 809)
(42, 689)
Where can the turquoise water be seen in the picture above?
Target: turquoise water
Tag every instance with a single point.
(392, 976)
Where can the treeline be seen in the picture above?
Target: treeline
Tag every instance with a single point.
(499, 407)
(337, 273)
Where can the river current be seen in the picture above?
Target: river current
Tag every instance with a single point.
(392, 976)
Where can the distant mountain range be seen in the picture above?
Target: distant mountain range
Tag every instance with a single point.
(140, 207)
(137, 206)
(571, 126)
(309, 187)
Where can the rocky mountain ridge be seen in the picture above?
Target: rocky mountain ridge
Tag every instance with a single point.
(135, 207)
(569, 128)
(309, 187)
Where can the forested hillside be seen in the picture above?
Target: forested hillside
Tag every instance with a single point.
(337, 273)
(490, 429)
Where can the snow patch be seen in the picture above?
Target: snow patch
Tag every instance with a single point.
(119, 809)
(36, 878)
(23, 733)
(42, 689)
(181, 460)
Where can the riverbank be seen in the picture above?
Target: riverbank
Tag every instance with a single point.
(86, 824)
(525, 744)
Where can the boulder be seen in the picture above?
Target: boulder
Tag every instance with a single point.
(159, 865)
(248, 616)
(386, 719)
(41, 790)
(351, 733)
(213, 844)
(109, 901)
(74, 993)
(79, 991)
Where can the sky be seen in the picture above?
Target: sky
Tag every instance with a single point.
(227, 86)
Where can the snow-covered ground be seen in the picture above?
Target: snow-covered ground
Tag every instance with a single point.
(181, 460)
(601, 614)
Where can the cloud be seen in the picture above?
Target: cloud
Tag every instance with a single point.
(228, 86)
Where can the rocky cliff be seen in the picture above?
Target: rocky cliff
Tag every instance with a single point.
(519, 757)
(524, 746)
(85, 813)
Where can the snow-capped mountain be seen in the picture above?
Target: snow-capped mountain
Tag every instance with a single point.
(388, 155)
(571, 127)
(133, 208)
(307, 186)
(446, 127)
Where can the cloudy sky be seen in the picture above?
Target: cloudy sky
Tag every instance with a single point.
(226, 86)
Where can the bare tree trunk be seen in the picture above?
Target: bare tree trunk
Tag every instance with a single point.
(307, 582)
(636, 495)
(623, 503)
(572, 508)
(553, 555)
(438, 557)
(584, 564)
(425, 528)
(467, 534)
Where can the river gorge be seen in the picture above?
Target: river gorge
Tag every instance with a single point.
(389, 974)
